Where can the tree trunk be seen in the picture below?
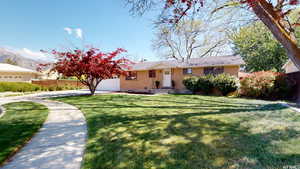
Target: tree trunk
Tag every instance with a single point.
(93, 85)
(92, 89)
(269, 17)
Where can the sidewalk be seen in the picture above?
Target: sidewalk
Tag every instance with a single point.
(59, 144)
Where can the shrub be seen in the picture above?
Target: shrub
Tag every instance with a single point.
(191, 83)
(266, 85)
(225, 83)
(283, 86)
(173, 83)
(205, 84)
(59, 88)
(51, 88)
(157, 83)
(18, 87)
(28, 87)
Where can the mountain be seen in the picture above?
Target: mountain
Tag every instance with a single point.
(20, 60)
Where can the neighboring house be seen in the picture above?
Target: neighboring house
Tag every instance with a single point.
(290, 67)
(170, 74)
(12, 73)
(49, 74)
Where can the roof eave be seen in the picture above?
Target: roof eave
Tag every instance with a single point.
(1, 71)
(172, 67)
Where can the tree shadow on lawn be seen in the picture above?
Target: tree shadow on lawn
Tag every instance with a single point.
(18, 125)
(133, 132)
(168, 102)
(14, 135)
(184, 141)
(211, 109)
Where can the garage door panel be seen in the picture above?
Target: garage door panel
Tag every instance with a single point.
(109, 85)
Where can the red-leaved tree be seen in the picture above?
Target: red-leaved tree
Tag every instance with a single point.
(90, 67)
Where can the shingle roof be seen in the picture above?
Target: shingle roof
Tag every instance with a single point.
(12, 68)
(194, 62)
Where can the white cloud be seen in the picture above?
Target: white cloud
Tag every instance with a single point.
(78, 33)
(33, 54)
(68, 30)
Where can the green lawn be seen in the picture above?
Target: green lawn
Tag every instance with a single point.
(188, 132)
(18, 125)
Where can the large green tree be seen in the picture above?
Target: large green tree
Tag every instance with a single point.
(259, 49)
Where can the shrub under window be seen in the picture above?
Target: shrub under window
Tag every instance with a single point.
(191, 83)
(223, 82)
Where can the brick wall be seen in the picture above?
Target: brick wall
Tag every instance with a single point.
(60, 83)
(144, 83)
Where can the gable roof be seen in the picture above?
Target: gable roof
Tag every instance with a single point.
(208, 61)
(12, 68)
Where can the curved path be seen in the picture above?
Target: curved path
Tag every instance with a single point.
(60, 142)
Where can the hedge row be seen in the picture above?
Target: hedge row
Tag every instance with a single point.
(260, 85)
(223, 82)
(28, 87)
(267, 85)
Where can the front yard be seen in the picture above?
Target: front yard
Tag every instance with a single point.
(19, 123)
(187, 132)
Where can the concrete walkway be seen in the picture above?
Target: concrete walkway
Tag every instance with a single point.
(291, 107)
(60, 142)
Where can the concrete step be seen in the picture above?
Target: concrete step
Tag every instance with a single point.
(162, 91)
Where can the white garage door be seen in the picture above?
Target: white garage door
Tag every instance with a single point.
(109, 85)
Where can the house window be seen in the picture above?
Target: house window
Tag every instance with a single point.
(131, 76)
(213, 70)
(152, 74)
(187, 71)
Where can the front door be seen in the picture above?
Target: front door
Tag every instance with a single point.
(167, 78)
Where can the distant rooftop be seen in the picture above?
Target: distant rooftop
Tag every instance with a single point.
(12, 68)
(229, 60)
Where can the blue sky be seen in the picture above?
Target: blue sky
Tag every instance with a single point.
(32, 25)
